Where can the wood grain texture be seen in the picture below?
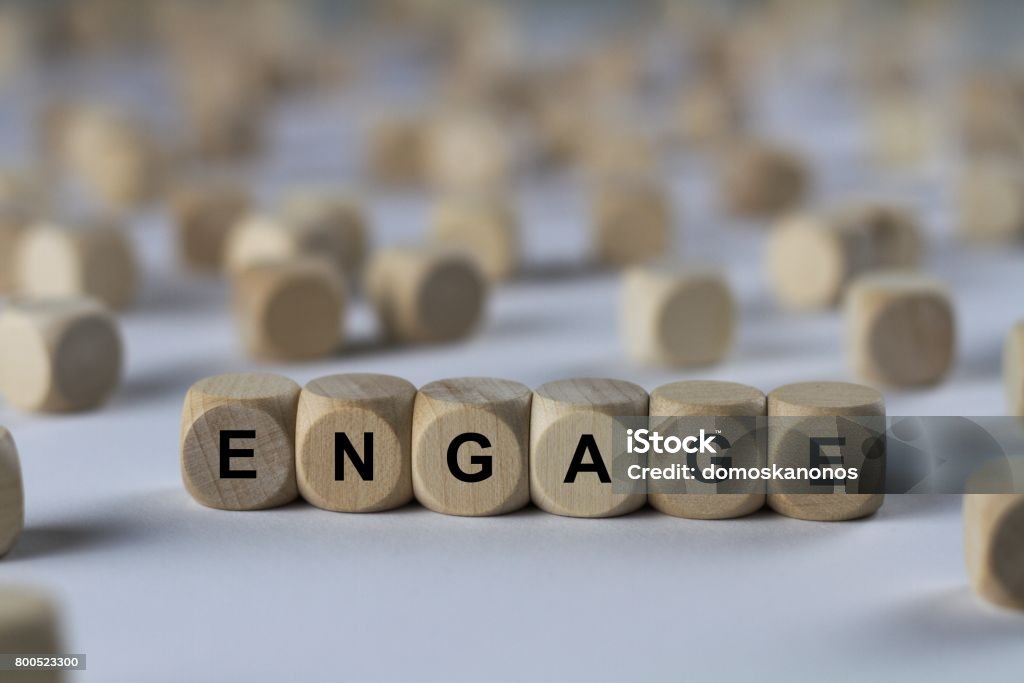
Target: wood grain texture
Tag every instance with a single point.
(30, 624)
(676, 317)
(12, 493)
(900, 329)
(204, 215)
(59, 355)
(426, 294)
(563, 413)
(763, 180)
(94, 259)
(290, 310)
(701, 398)
(994, 546)
(632, 221)
(330, 223)
(787, 443)
(991, 201)
(496, 410)
(356, 405)
(263, 403)
(1013, 369)
(487, 227)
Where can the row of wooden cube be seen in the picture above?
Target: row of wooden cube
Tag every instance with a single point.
(253, 441)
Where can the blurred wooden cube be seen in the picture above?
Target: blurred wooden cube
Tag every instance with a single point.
(397, 151)
(763, 180)
(991, 201)
(205, 214)
(486, 226)
(632, 221)
(334, 224)
(12, 494)
(993, 547)
(30, 624)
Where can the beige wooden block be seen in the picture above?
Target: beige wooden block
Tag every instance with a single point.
(332, 224)
(92, 259)
(572, 446)
(426, 294)
(990, 115)
(12, 226)
(700, 398)
(397, 151)
(354, 442)
(763, 180)
(788, 444)
(59, 355)
(904, 129)
(470, 152)
(993, 547)
(617, 150)
(895, 239)
(1013, 369)
(811, 259)
(991, 201)
(290, 310)
(29, 624)
(204, 214)
(900, 329)
(470, 446)
(485, 226)
(238, 441)
(633, 222)
(677, 317)
(12, 493)
(710, 114)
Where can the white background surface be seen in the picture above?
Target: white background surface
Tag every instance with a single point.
(156, 587)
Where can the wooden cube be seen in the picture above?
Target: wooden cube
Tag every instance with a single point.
(894, 236)
(1013, 369)
(904, 129)
(353, 442)
(485, 226)
(12, 493)
(710, 114)
(632, 222)
(470, 446)
(204, 215)
(426, 294)
(397, 152)
(290, 310)
(613, 149)
(814, 410)
(332, 224)
(238, 441)
(900, 329)
(993, 546)
(29, 624)
(59, 355)
(572, 442)
(716, 401)
(677, 317)
(991, 201)
(94, 259)
(12, 226)
(763, 180)
(469, 151)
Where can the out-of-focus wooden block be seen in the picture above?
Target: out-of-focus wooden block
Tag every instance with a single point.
(353, 442)
(894, 237)
(990, 115)
(485, 226)
(29, 624)
(12, 493)
(698, 398)
(426, 294)
(572, 446)
(1013, 369)
(238, 441)
(994, 546)
(93, 259)
(710, 114)
(762, 180)
(332, 224)
(12, 226)
(991, 201)
(617, 150)
(901, 329)
(469, 152)
(632, 222)
(812, 257)
(470, 446)
(904, 128)
(205, 214)
(59, 355)
(290, 310)
(788, 444)
(676, 317)
(397, 151)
